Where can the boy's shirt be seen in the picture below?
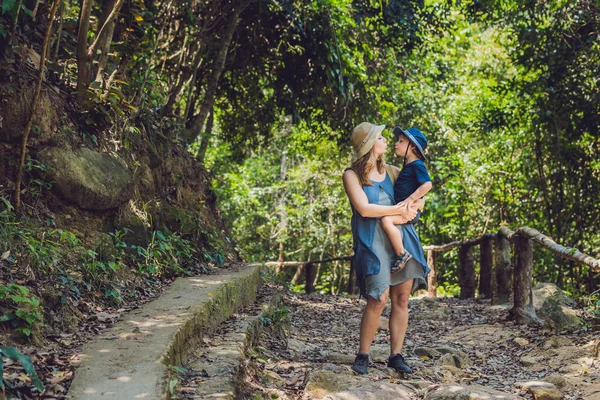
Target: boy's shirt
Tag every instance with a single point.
(410, 178)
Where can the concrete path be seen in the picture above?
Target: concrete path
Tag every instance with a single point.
(129, 361)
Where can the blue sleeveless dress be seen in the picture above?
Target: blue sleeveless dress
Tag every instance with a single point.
(373, 251)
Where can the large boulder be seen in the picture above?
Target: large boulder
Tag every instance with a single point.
(545, 290)
(558, 317)
(92, 180)
(15, 109)
(347, 386)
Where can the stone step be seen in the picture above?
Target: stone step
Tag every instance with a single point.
(131, 359)
(217, 371)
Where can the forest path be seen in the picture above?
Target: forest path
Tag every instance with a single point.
(457, 349)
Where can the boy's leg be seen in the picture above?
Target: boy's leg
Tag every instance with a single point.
(388, 224)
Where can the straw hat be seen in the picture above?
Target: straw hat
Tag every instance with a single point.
(364, 137)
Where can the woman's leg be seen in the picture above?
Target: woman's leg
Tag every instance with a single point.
(394, 234)
(399, 295)
(370, 321)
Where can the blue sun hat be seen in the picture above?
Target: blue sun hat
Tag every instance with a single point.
(415, 136)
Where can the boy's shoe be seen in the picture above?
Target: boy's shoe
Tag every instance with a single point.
(397, 362)
(361, 364)
(400, 261)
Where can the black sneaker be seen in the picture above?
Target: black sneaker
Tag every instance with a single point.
(397, 362)
(361, 363)
(400, 261)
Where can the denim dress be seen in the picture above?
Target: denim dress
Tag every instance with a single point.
(373, 251)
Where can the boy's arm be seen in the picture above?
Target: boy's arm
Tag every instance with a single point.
(417, 194)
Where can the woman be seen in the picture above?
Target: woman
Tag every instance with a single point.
(370, 190)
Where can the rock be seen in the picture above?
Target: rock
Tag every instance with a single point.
(557, 380)
(467, 392)
(298, 346)
(545, 290)
(343, 386)
(431, 302)
(92, 180)
(104, 245)
(340, 358)
(384, 324)
(557, 341)
(15, 109)
(427, 352)
(455, 360)
(451, 373)
(541, 390)
(521, 341)
(460, 358)
(558, 317)
(528, 361)
(380, 352)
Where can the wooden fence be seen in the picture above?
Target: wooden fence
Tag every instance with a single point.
(499, 275)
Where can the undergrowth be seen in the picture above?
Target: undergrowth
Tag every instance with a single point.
(35, 258)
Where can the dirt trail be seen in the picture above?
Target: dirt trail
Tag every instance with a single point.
(450, 342)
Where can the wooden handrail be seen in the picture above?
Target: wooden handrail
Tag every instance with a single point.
(458, 243)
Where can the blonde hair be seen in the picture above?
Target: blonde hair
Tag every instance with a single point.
(365, 164)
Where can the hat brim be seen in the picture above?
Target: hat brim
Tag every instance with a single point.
(399, 131)
(377, 129)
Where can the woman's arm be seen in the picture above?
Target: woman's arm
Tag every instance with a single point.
(359, 199)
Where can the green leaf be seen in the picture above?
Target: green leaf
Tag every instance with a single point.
(26, 10)
(160, 235)
(14, 354)
(4, 34)
(8, 6)
(172, 385)
(7, 317)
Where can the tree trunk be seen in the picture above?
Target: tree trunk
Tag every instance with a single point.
(213, 81)
(503, 272)
(85, 54)
(466, 272)
(34, 101)
(206, 138)
(432, 277)
(299, 270)
(485, 268)
(84, 62)
(523, 311)
(309, 274)
(106, 40)
(351, 278)
(282, 210)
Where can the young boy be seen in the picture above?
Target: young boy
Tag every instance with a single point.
(412, 183)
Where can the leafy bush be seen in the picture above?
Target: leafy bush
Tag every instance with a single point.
(167, 253)
(24, 311)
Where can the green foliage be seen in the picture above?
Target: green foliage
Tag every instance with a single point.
(14, 354)
(23, 309)
(166, 254)
(276, 319)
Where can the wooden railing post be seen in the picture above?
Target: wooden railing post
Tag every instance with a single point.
(432, 277)
(523, 311)
(466, 272)
(351, 277)
(485, 267)
(503, 273)
(309, 276)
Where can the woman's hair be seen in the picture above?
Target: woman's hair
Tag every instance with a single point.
(363, 166)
